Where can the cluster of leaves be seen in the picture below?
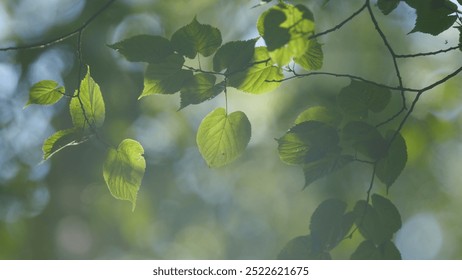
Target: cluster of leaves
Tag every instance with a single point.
(223, 136)
(321, 141)
(324, 140)
(124, 166)
(330, 224)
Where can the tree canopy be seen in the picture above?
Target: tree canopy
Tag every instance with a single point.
(291, 130)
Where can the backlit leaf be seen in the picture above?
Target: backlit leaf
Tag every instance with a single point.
(285, 29)
(392, 164)
(165, 77)
(307, 141)
(123, 170)
(60, 140)
(313, 58)
(234, 56)
(260, 77)
(321, 114)
(200, 88)
(196, 38)
(144, 48)
(87, 110)
(45, 92)
(221, 138)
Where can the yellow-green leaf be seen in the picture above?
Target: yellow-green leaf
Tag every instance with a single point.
(123, 170)
(221, 138)
(45, 92)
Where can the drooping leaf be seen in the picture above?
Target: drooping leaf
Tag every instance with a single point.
(200, 88)
(196, 38)
(328, 225)
(260, 77)
(45, 92)
(234, 56)
(285, 29)
(123, 170)
(387, 6)
(144, 48)
(221, 138)
(369, 223)
(299, 248)
(60, 140)
(87, 109)
(392, 164)
(313, 58)
(358, 98)
(365, 139)
(165, 77)
(433, 16)
(367, 250)
(387, 212)
(318, 169)
(306, 142)
(320, 114)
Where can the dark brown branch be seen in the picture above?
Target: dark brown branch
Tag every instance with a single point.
(427, 53)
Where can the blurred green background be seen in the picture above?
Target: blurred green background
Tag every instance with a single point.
(62, 209)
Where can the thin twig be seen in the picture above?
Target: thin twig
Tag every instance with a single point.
(427, 53)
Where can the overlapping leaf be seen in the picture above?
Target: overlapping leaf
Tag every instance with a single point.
(144, 48)
(387, 6)
(87, 111)
(321, 114)
(285, 29)
(234, 56)
(60, 140)
(165, 77)
(45, 92)
(299, 248)
(367, 250)
(313, 57)
(261, 76)
(365, 139)
(221, 138)
(358, 98)
(123, 170)
(196, 38)
(321, 168)
(200, 88)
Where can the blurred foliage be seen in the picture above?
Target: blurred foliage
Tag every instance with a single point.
(250, 209)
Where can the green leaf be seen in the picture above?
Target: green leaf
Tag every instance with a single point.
(299, 248)
(387, 212)
(433, 16)
(369, 223)
(87, 109)
(387, 6)
(318, 169)
(306, 142)
(328, 225)
(320, 114)
(234, 56)
(460, 37)
(200, 88)
(367, 250)
(285, 29)
(123, 170)
(392, 164)
(45, 92)
(144, 48)
(165, 77)
(260, 77)
(313, 58)
(358, 98)
(221, 138)
(60, 140)
(365, 139)
(196, 38)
